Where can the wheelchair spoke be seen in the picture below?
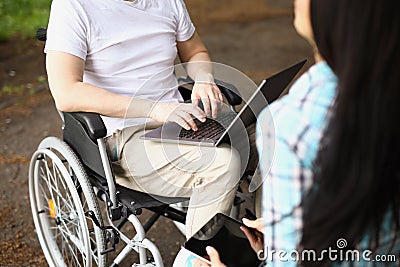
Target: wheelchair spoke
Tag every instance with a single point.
(67, 238)
(60, 205)
(72, 250)
(67, 250)
(44, 177)
(62, 201)
(53, 190)
(70, 235)
(53, 185)
(57, 173)
(44, 194)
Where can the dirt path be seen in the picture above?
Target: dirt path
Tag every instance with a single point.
(256, 47)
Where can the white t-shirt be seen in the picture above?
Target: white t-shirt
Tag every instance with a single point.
(129, 48)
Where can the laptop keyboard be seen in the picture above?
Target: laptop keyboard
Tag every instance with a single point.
(210, 128)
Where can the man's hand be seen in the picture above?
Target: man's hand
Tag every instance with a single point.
(210, 95)
(181, 113)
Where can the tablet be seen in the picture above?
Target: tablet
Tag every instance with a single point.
(224, 234)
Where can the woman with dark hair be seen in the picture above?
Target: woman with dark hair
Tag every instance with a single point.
(335, 200)
(356, 189)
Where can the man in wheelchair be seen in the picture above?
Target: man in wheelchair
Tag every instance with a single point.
(99, 57)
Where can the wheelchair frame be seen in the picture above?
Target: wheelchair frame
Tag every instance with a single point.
(83, 167)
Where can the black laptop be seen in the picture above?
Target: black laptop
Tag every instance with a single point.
(213, 132)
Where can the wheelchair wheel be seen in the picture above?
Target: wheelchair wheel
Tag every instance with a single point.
(60, 194)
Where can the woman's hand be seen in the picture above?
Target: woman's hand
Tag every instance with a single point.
(214, 259)
(257, 224)
(210, 95)
(181, 113)
(255, 236)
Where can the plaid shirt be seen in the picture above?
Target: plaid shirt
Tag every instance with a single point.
(288, 135)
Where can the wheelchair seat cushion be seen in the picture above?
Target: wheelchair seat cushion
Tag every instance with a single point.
(136, 199)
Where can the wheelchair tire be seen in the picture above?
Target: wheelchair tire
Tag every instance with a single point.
(60, 194)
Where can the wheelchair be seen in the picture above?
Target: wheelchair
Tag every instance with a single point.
(70, 179)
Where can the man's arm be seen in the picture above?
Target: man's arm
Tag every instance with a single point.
(65, 75)
(199, 68)
(193, 50)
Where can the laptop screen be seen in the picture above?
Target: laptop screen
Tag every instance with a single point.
(268, 91)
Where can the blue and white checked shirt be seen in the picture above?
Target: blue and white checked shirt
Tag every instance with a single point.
(288, 135)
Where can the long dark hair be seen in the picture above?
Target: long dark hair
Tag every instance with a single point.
(357, 170)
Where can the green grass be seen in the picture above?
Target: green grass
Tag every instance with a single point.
(22, 17)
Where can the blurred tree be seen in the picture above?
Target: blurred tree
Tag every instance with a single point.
(22, 17)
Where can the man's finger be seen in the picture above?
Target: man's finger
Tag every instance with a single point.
(218, 93)
(195, 101)
(177, 119)
(214, 107)
(218, 97)
(195, 111)
(189, 120)
(206, 105)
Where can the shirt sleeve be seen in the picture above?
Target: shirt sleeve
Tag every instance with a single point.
(299, 120)
(281, 197)
(185, 28)
(67, 30)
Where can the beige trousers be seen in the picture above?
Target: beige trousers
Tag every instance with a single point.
(208, 175)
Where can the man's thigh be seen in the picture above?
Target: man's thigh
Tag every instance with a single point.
(173, 169)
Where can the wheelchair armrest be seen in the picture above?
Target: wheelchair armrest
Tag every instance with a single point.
(92, 122)
(230, 92)
(81, 131)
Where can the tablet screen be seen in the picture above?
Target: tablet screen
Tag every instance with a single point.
(224, 234)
